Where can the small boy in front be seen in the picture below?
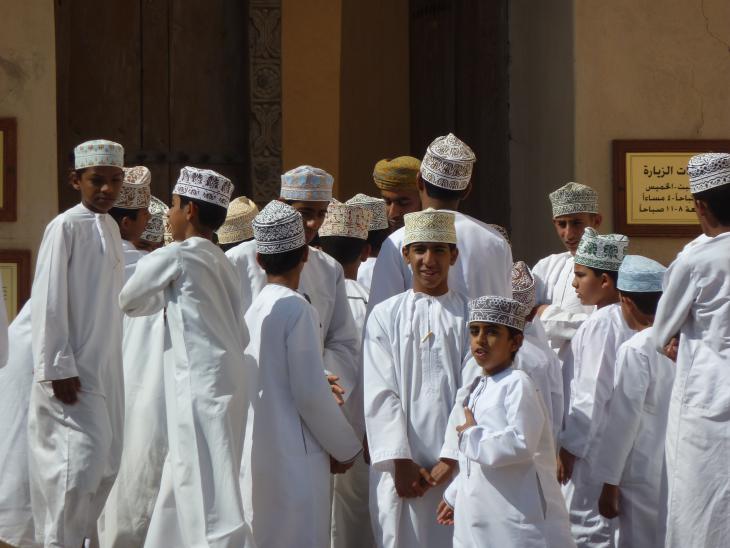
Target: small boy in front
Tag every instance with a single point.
(76, 412)
(378, 232)
(594, 348)
(506, 493)
(630, 459)
(299, 431)
(199, 501)
(414, 348)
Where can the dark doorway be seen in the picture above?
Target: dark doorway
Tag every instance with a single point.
(168, 79)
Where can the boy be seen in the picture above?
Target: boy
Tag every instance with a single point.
(237, 226)
(199, 502)
(297, 427)
(695, 307)
(76, 414)
(309, 190)
(415, 344)
(484, 262)
(594, 347)
(630, 458)
(152, 237)
(396, 180)
(506, 493)
(378, 231)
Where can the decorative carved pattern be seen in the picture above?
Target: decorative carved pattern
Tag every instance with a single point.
(265, 118)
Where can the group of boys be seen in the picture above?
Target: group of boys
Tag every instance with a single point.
(401, 384)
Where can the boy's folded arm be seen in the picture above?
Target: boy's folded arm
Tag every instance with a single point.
(143, 294)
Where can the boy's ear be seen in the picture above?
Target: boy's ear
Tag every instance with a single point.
(454, 255)
(517, 342)
(597, 220)
(701, 208)
(466, 192)
(73, 179)
(191, 211)
(404, 251)
(606, 281)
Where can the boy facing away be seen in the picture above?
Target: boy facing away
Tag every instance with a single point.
(378, 231)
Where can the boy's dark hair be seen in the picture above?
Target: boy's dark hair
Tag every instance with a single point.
(376, 239)
(343, 249)
(226, 247)
(613, 274)
(645, 302)
(211, 216)
(119, 213)
(276, 264)
(443, 194)
(718, 202)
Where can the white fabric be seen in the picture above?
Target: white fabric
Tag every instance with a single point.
(16, 379)
(484, 265)
(414, 350)
(631, 452)
(594, 349)
(3, 331)
(323, 281)
(296, 425)
(131, 256)
(506, 493)
(696, 304)
(206, 385)
(365, 272)
(74, 449)
(129, 506)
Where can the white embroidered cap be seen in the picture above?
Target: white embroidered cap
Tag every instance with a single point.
(499, 310)
(448, 163)
(307, 184)
(708, 171)
(155, 229)
(523, 285)
(346, 220)
(135, 193)
(429, 225)
(601, 251)
(237, 226)
(639, 274)
(573, 198)
(98, 152)
(278, 228)
(205, 185)
(376, 206)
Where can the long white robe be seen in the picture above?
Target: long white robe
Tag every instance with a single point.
(696, 304)
(205, 391)
(484, 265)
(631, 452)
(16, 380)
(506, 493)
(296, 425)
(365, 272)
(131, 501)
(594, 349)
(414, 350)
(74, 450)
(323, 281)
(350, 512)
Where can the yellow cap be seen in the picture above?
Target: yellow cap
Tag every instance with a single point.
(397, 174)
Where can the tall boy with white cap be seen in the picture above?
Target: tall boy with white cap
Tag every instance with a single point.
(485, 258)
(630, 457)
(695, 307)
(298, 431)
(206, 382)
(414, 348)
(77, 402)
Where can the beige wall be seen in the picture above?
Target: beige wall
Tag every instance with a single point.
(28, 93)
(647, 70)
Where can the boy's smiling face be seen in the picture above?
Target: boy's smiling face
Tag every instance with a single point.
(492, 345)
(430, 262)
(99, 186)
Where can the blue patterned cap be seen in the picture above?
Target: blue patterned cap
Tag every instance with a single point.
(99, 152)
(640, 275)
(307, 184)
(601, 251)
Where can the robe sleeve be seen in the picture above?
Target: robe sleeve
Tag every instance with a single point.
(143, 294)
(680, 293)
(515, 443)
(3, 332)
(452, 490)
(385, 419)
(53, 356)
(450, 448)
(541, 288)
(312, 395)
(561, 324)
(388, 274)
(624, 414)
(557, 398)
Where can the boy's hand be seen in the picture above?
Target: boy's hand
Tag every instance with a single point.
(566, 460)
(411, 480)
(670, 350)
(337, 467)
(540, 309)
(444, 514)
(468, 422)
(337, 390)
(66, 389)
(443, 471)
(608, 505)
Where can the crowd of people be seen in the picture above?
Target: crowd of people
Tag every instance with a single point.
(375, 372)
